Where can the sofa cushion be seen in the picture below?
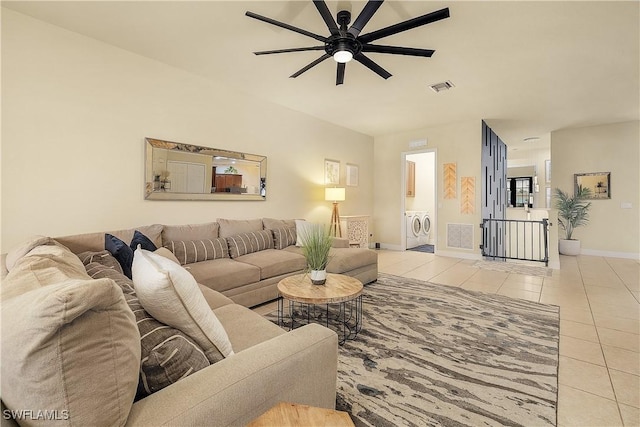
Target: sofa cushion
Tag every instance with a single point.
(247, 243)
(95, 241)
(213, 298)
(342, 260)
(68, 344)
(167, 254)
(273, 262)
(272, 224)
(235, 319)
(223, 274)
(188, 252)
(167, 354)
(231, 227)
(16, 253)
(207, 231)
(101, 257)
(43, 265)
(171, 295)
(283, 237)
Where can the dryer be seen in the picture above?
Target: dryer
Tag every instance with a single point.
(414, 228)
(425, 221)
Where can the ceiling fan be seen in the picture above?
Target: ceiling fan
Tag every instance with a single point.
(346, 43)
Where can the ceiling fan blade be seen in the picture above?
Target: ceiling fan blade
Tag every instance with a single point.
(293, 49)
(308, 67)
(372, 66)
(286, 26)
(326, 15)
(340, 73)
(397, 50)
(365, 15)
(406, 25)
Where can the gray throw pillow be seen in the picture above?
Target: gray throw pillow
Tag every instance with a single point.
(101, 257)
(246, 243)
(168, 354)
(192, 251)
(283, 237)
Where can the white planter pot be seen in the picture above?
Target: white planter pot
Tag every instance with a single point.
(318, 277)
(569, 247)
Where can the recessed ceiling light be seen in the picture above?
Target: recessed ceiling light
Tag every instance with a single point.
(439, 87)
(531, 139)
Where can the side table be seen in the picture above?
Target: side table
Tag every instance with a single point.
(337, 304)
(286, 414)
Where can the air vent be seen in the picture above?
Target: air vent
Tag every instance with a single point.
(439, 87)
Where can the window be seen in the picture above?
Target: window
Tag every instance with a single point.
(519, 190)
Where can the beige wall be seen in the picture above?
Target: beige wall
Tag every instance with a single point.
(614, 148)
(459, 143)
(75, 113)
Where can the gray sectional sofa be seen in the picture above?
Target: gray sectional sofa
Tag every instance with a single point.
(249, 279)
(73, 350)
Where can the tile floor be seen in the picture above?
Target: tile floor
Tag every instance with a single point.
(599, 372)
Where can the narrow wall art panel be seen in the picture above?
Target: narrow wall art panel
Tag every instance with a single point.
(450, 178)
(468, 195)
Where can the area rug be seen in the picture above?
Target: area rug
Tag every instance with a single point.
(433, 355)
(515, 267)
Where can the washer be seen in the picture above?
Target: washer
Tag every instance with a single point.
(414, 228)
(425, 235)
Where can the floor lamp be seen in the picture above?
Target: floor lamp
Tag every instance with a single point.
(335, 195)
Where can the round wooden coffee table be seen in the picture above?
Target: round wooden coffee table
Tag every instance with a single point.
(337, 304)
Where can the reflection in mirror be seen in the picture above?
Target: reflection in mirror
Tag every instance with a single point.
(177, 171)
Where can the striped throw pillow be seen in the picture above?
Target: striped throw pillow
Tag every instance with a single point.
(101, 257)
(192, 251)
(283, 237)
(168, 354)
(246, 243)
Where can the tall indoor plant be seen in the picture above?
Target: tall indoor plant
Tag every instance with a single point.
(573, 212)
(316, 245)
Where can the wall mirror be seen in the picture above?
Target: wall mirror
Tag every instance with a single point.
(177, 171)
(599, 183)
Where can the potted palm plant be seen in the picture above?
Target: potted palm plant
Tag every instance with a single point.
(316, 245)
(573, 212)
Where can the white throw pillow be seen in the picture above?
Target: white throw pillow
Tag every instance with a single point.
(303, 229)
(170, 294)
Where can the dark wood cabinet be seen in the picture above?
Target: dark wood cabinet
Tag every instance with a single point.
(228, 183)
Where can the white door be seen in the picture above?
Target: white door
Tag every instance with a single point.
(186, 177)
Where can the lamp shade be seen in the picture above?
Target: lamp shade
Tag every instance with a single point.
(334, 194)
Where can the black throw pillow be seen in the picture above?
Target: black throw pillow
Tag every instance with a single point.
(142, 240)
(120, 251)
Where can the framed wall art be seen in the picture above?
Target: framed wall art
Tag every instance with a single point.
(352, 175)
(331, 172)
(598, 182)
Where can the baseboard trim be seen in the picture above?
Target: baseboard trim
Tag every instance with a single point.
(462, 255)
(610, 254)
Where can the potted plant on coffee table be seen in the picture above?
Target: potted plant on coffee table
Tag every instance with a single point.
(573, 212)
(316, 245)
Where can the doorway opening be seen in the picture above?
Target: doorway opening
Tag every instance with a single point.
(418, 206)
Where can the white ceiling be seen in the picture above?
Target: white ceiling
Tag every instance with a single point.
(527, 68)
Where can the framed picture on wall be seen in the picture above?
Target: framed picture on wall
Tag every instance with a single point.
(599, 183)
(547, 171)
(352, 175)
(331, 172)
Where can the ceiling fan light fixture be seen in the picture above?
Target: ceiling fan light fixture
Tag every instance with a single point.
(343, 56)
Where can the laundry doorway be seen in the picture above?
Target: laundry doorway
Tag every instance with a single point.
(419, 209)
